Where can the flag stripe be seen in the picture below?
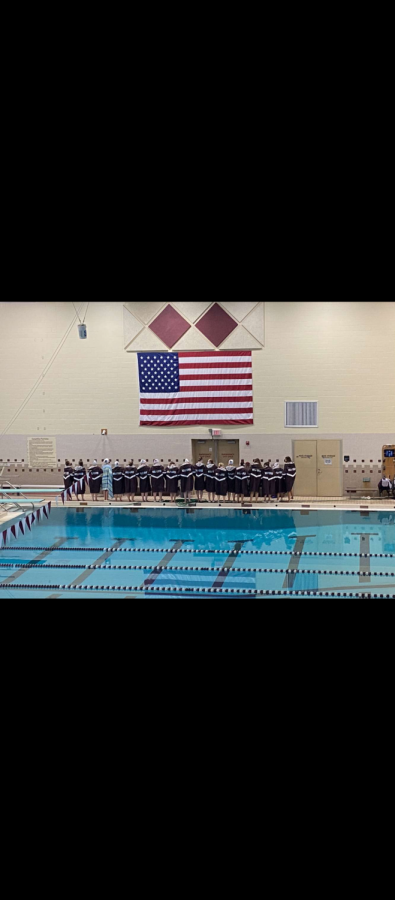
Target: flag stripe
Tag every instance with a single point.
(198, 388)
(215, 400)
(179, 420)
(197, 380)
(201, 393)
(215, 366)
(192, 415)
(226, 355)
(195, 408)
(225, 373)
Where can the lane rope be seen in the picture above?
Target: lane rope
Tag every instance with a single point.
(155, 589)
(191, 550)
(159, 568)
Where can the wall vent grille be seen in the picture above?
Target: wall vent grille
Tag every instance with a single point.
(301, 414)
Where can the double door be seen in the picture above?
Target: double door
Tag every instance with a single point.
(217, 449)
(319, 468)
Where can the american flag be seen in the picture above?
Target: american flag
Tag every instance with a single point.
(203, 388)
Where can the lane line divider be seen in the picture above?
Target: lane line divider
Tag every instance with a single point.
(262, 593)
(224, 568)
(191, 550)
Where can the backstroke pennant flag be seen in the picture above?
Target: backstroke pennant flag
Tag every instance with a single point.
(205, 388)
(25, 523)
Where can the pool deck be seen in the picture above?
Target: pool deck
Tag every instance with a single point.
(301, 503)
(374, 504)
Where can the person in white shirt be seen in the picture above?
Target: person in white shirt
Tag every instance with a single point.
(385, 485)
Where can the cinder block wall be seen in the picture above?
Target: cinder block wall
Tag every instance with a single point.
(340, 354)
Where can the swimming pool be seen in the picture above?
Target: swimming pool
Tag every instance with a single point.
(215, 551)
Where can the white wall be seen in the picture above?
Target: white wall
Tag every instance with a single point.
(341, 354)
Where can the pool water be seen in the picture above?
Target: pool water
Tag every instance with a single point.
(203, 551)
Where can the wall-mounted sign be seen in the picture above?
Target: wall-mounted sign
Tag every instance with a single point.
(346, 458)
(328, 462)
(41, 452)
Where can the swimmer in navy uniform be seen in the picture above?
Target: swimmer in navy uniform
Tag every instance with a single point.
(241, 483)
(130, 478)
(210, 481)
(172, 476)
(268, 483)
(157, 479)
(118, 482)
(68, 476)
(143, 473)
(200, 471)
(290, 475)
(186, 478)
(230, 477)
(95, 474)
(279, 487)
(255, 479)
(79, 472)
(221, 481)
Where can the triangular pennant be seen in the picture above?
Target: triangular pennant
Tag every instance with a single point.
(21, 526)
(38, 514)
(8, 534)
(32, 518)
(13, 530)
(49, 506)
(5, 537)
(45, 512)
(27, 520)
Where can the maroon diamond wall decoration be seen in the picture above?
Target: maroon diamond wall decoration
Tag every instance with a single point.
(216, 325)
(169, 326)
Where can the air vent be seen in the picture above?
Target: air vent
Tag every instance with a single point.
(301, 414)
